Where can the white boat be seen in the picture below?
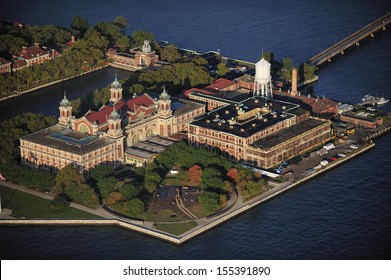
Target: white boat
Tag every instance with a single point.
(382, 101)
(367, 97)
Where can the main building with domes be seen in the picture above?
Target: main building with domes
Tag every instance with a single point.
(122, 131)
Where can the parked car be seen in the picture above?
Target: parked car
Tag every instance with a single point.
(353, 146)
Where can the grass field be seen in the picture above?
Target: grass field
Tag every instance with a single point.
(30, 206)
(177, 228)
(163, 215)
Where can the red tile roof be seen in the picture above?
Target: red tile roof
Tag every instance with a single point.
(121, 106)
(32, 52)
(219, 84)
(211, 89)
(3, 61)
(19, 63)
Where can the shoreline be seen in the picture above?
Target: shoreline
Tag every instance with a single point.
(14, 95)
(207, 223)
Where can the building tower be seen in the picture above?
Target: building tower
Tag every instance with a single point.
(294, 82)
(116, 91)
(114, 121)
(115, 132)
(164, 105)
(263, 81)
(65, 111)
(146, 47)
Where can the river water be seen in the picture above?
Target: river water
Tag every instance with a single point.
(344, 214)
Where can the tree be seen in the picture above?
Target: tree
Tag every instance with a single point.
(222, 69)
(253, 188)
(233, 174)
(106, 185)
(69, 176)
(113, 198)
(129, 191)
(306, 71)
(79, 24)
(136, 88)
(72, 183)
(139, 36)
(286, 70)
(199, 60)
(109, 30)
(170, 54)
(268, 56)
(151, 180)
(59, 202)
(194, 174)
(134, 208)
(121, 22)
(209, 201)
(123, 42)
(100, 171)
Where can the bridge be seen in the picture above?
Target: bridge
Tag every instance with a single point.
(353, 39)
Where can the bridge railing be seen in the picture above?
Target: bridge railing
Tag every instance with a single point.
(366, 29)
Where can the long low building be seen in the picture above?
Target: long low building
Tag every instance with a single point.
(55, 147)
(259, 132)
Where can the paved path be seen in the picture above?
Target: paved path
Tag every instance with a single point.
(98, 212)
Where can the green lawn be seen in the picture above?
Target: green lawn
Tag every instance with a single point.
(30, 206)
(163, 215)
(177, 228)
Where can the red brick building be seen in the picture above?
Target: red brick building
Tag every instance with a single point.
(134, 60)
(110, 135)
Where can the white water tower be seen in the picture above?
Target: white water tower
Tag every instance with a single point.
(262, 81)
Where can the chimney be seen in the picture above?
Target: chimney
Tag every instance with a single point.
(73, 39)
(294, 82)
(24, 50)
(36, 44)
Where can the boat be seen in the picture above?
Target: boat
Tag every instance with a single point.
(382, 101)
(367, 97)
(374, 100)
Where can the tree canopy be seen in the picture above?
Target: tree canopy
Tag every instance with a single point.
(170, 54)
(139, 36)
(222, 69)
(121, 22)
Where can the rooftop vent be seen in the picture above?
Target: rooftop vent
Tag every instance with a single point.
(242, 130)
(284, 107)
(264, 120)
(219, 124)
(217, 116)
(226, 112)
(256, 100)
(254, 125)
(231, 126)
(207, 121)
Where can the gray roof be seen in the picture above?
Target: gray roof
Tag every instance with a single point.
(67, 140)
(219, 119)
(287, 133)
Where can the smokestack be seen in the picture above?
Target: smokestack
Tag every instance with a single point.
(294, 82)
(73, 39)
